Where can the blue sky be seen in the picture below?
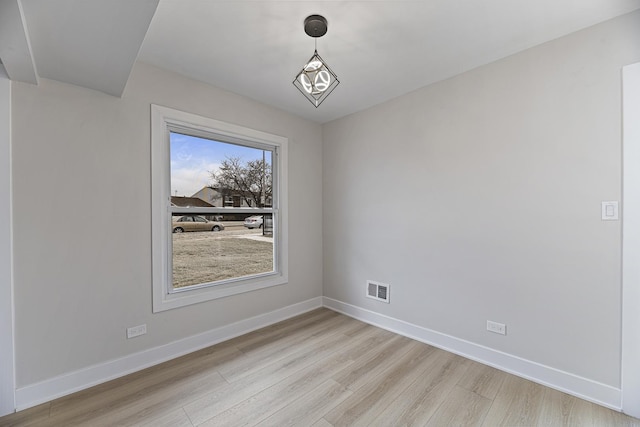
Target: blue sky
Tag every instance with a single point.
(192, 160)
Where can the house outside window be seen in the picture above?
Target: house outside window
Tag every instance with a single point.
(208, 176)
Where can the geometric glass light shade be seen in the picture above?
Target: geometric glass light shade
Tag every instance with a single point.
(316, 80)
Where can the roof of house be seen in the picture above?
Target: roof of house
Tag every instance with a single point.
(187, 202)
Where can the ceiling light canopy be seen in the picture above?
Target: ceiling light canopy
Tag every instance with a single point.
(316, 80)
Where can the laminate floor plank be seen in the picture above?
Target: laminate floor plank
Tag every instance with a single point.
(282, 329)
(560, 409)
(29, 417)
(234, 393)
(156, 402)
(606, 417)
(166, 376)
(349, 348)
(358, 326)
(416, 405)
(322, 423)
(174, 418)
(267, 402)
(256, 357)
(517, 403)
(483, 380)
(370, 365)
(371, 399)
(461, 408)
(366, 344)
(319, 369)
(309, 409)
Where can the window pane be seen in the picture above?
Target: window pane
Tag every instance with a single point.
(203, 256)
(205, 173)
(217, 247)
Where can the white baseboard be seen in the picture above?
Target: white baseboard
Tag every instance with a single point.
(575, 385)
(71, 382)
(35, 394)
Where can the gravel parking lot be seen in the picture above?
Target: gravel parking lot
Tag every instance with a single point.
(201, 257)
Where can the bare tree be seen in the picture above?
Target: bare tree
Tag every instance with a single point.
(252, 180)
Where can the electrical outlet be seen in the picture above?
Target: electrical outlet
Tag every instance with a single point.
(136, 331)
(498, 328)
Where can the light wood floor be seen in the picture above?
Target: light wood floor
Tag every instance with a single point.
(319, 369)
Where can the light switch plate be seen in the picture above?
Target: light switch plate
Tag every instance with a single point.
(610, 211)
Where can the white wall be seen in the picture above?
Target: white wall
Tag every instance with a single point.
(82, 255)
(6, 292)
(479, 198)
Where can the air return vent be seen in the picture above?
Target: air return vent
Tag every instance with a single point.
(377, 290)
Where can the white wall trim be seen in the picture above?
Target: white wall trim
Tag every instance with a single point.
(71, 382)
(7, 355)
(163, 121)
(575, 385)
(631, 241)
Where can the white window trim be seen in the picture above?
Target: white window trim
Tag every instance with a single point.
(161, 119)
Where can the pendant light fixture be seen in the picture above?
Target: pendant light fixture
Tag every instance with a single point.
(316, 80)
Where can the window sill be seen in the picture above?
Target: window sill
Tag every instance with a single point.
(178, 299)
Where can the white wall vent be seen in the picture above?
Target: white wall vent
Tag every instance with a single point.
(377, 290)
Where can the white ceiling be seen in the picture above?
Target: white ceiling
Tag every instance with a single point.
(378, 49)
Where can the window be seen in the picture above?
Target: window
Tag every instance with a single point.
(219, 209)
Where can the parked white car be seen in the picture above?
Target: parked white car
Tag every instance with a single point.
(254, 221)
